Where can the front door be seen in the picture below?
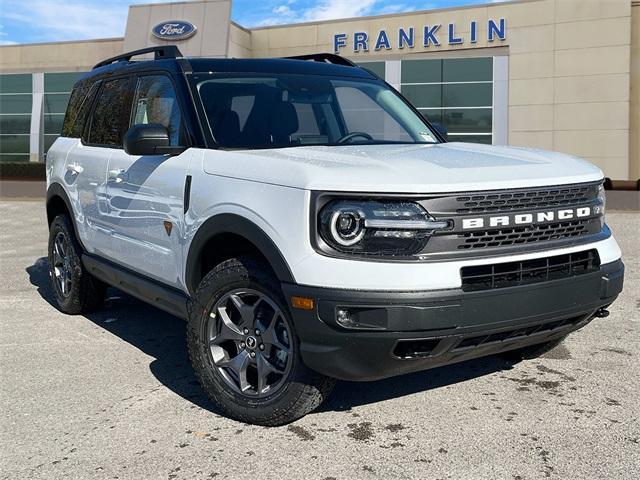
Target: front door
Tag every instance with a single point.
(145, 194)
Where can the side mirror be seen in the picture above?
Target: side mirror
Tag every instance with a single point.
(149, 139)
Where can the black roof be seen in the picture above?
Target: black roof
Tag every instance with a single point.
(169, 58)
(275, 65)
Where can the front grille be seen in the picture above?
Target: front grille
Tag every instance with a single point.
(525, 200)
(519, 235)
(501, 275)
(491, 222)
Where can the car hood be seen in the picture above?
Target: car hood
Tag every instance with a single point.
(446, 167)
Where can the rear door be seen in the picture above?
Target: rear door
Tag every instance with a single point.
(99, 122)
(145, 193)
(90, 159)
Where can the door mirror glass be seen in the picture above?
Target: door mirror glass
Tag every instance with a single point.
(149, 139)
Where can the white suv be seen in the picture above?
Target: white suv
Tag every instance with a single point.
(310, 225)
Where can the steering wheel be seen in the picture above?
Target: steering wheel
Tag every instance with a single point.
(349, 136)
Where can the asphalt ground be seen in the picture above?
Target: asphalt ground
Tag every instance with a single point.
(111, 395)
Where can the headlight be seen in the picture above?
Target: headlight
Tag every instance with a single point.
(387, 228)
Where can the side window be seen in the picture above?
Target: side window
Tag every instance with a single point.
(111, 112)
(155, 102)
(79, 105)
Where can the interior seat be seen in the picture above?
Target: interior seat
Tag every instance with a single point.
(283, 121)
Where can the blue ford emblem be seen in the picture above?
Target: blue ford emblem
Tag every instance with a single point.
(174, 30)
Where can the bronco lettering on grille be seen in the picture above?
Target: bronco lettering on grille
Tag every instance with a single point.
(526, 218)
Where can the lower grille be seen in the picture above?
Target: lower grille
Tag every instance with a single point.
(408, 349)
(473, 342)
(520, 235)
(501, 275)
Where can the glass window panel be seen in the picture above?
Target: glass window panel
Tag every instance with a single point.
(112, 108)
(307, 123)
(468, 121)
(60, 82)
(15, 124)
(467, 95)
(14, 143)
(78, 109)
(486, 139)
(434, 116)
(53, 124)
(362, 114)
(14, 157)
(56, 102)
(467, 69)
(15, 103)
(423, 96)
(376, 67)
(48, 141)
(16, 83)
(421, 71)
(156, 102)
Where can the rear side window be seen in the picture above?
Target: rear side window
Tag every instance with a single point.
(79, 105)
(111, 113)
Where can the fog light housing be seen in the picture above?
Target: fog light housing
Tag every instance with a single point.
(344, 318)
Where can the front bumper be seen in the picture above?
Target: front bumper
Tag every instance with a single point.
(412, 331)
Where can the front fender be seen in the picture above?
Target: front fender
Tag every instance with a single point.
(233, 224)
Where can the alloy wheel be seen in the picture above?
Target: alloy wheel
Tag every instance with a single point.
(62, 269)
(249, 341)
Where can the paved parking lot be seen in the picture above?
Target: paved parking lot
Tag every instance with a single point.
(112, 396)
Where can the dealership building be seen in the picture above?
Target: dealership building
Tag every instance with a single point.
(559, 75)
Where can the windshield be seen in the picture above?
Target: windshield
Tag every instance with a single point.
(275, 111)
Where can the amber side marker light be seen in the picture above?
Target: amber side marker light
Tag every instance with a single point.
(302, 303)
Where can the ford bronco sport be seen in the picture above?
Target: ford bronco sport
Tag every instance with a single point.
(310, 225)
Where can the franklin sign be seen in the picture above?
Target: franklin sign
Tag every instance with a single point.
(425, 37)
(174, 30)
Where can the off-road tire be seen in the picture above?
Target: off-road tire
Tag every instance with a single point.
(85, 293)
(301, 391)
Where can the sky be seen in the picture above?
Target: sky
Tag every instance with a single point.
(31, 21)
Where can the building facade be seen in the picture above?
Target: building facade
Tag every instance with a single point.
(559, 75)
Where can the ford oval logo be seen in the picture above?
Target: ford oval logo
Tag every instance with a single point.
(174, 30)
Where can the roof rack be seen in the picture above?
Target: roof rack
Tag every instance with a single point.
(325, 58)
(166, 51)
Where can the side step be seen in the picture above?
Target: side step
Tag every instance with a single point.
(165, 298)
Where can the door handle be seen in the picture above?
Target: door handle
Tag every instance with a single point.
(74, 168)
(118, 175)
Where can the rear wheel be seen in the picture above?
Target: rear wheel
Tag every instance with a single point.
(75, 289)
(244, 349)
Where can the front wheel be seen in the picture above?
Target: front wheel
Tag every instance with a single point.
(244, 349)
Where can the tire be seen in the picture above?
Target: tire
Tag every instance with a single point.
(76, 290)
(531, 351)
(231, 366)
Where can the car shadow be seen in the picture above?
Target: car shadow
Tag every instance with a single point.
(154, 332)
(163, 337)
